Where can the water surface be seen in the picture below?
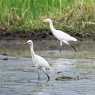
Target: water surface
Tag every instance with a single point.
(74, 71)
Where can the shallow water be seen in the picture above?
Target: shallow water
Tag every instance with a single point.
(17, 77)
(71, 74)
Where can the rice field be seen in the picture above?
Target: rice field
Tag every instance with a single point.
(70, 15)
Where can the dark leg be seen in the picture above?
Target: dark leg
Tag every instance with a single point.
(46, 74)
(60, 48)
(38, 74)
(73, 48)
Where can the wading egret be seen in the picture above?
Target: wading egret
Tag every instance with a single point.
(38, 61)
(60, 35)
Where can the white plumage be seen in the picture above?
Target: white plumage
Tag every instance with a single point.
(60, 35)
(38, 61)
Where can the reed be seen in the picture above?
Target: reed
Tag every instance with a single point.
(27, 14)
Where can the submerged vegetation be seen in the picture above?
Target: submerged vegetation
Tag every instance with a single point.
(27, 15)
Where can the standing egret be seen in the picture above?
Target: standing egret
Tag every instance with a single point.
(60, 35)
(38, 61)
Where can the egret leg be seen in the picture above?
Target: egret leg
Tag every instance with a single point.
(38, 74)
(46, 74)
(70, 46)
(73, 48)
(60, 43)
(60, 48)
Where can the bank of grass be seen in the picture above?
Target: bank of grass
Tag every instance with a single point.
(27, 15)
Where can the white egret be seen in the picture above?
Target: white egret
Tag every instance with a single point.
(60, 35)
(38, 61)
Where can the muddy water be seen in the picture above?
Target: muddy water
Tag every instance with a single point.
(72, 73)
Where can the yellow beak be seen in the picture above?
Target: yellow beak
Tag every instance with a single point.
(44, 20)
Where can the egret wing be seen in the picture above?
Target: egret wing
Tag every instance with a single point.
(41, 61)
(63, 36)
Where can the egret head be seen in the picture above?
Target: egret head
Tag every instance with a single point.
(47, 20)
(30, 42)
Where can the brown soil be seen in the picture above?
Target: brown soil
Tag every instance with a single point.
(40, 35)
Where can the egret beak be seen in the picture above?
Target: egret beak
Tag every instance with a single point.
(25, 43)
(44, 20)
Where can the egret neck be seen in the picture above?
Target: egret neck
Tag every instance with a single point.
(32, 51)
(51, 26)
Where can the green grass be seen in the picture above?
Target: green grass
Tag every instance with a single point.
(25, 15)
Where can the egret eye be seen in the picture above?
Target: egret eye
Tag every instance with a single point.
(29, 42)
